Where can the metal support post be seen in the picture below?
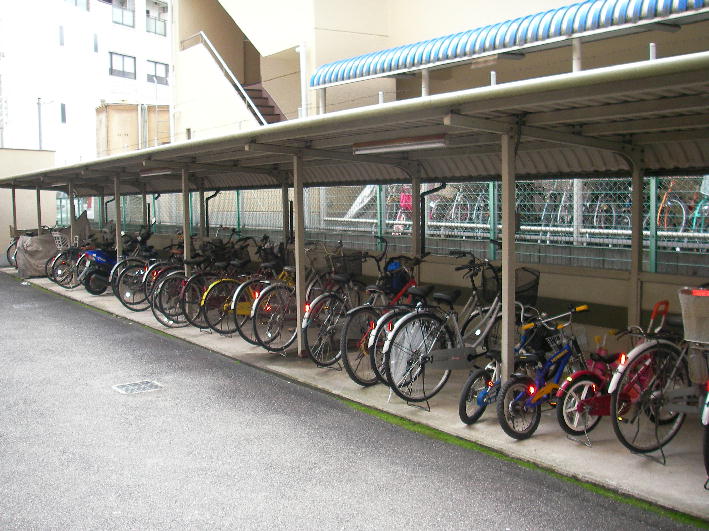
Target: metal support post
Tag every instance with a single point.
(14, 209)
(636, 245)
(99, 211)
(285, 207)
(72, 211)
(146, 223)
(238, 213)
(509, 258)
(578, 210)
(381, 215)
(322, 101)
(39, 211)
(652, 222)
(186, 221)
(576, 65)
(299, 247)
(493, 221)
(119, 216)
(416, 214)
(202, 213)
(425, 82)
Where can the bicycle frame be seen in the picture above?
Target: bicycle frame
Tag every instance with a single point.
(544, 387)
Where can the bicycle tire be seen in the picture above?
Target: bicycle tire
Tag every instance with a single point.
(637, 400)
(10, 254)
(407, 351)
(216, 302)
(118, 268)
(242, 304)
(512, 408)
(96, 282)
(385, 325)
(354, 343)
(49, 265)
(167, 295)
(191, 300)
(275, 318)
(479, 391)
(163, 298)
(130, 287)
(323, 329)
(706, 449)
(571, 420)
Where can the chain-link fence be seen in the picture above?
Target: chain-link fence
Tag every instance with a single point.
(581, 222)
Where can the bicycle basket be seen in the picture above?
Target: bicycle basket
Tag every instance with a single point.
(395, 278)
(695, 314)
(526, 285)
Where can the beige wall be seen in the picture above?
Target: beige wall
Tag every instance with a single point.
(118, 128)
(17, 162)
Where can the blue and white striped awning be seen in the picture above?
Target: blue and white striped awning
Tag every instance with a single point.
(562, 22)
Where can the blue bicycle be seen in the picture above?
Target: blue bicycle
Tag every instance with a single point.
(520, 400)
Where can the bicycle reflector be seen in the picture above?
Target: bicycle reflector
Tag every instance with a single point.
(700, 292)
(622, 358)
(531, 390)
(307, 307)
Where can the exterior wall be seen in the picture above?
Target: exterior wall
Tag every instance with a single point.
(122, 127)
(59, 53)
(16, 162)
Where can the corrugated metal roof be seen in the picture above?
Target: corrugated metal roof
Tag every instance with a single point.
(562, 22)
(571, 125)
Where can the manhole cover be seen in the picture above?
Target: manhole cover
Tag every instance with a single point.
(137, 387)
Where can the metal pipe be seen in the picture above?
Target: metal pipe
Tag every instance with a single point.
(105, 209)
(299, 247)
(202, 213)
(492, 219)
(302, 51)
(576, 55)
(425, 82)
(653, 51)
(72, 211)
(493, 78)
(284, 212)
(14, 209)
(636, 245)
(186, 222)
(39, 212)
(422, 210)
(206, 209)
(118, 220)
(322, 101)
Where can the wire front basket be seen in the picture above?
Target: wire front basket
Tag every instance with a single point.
(526, 285)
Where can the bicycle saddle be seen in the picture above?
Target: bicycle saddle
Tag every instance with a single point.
(448, 298)
(420, 292)
(530, 358)
(195, 261)
(342, 278)
(240, 263)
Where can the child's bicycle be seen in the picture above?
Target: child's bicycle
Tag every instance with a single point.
(583, 398)
(519, 405)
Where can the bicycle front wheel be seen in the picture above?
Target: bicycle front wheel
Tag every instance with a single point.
(323, 329)
(131, 289)
(354, 345)
(641, 408)
(573, 417)
(10, 254)
(242, 303)
(517, 416)
(275, 318)
(479, 390)
(384, 327)
(407, 352)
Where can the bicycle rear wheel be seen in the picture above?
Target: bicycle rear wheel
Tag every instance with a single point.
(242, 303)
(384, 327)
(354, 345)
(407, 352)
(275, 318)
(10, 254)
(191, 300)
(518, 418)
(641, 409)
(323, 329)
(165, 300)
(479, 390)
(130, 288)
(216, 305)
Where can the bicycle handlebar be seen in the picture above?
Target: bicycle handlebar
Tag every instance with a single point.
(569, 314)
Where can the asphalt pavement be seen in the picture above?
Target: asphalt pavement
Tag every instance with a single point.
(224, 445)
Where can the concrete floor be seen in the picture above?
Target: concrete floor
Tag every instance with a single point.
(677, 485)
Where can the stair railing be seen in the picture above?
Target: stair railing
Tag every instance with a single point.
(200, 37)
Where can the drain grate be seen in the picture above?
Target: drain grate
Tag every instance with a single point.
(137, 387)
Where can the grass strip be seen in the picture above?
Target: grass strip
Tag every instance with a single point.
(470, 445)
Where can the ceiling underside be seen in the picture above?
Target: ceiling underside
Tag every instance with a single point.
(584, 124)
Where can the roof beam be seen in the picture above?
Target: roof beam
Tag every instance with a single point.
(649, 125)
(492, 126)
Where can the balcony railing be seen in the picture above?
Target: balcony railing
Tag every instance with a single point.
(125, 17)
(155, 25)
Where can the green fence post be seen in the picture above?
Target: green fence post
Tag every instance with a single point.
(238, 213)
(492, 203)
(652, 222)
(381, 215)
(191, 213)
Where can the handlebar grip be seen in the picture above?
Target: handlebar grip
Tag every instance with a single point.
(582, 308)
(527, 326)
(661, 307)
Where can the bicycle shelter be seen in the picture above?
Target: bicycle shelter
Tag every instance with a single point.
(643, 118)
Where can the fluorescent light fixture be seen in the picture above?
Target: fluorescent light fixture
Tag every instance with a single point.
(400, 144)
(155, 172)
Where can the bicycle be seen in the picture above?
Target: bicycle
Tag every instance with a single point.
(420, 339)
(519, 405)
(663, 380)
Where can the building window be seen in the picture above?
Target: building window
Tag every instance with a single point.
(155, 25)
(61, 35)
(122, 65)
(157, 73)
(123, 15)
(62, 111)
(81, 4)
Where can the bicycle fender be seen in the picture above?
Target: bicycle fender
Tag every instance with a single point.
(398, 325)
(705, 410)
(312, 304)
(570, 380)
(634, 353)
(380, 321)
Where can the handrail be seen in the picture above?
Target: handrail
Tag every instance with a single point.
(203, 39)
